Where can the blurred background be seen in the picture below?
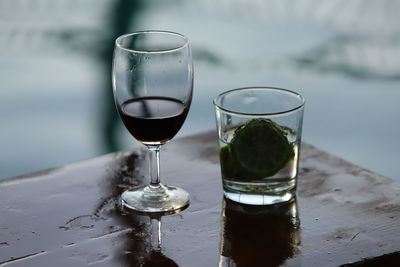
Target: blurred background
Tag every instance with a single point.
(56, 104)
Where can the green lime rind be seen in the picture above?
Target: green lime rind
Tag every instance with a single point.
(229, 166)
(259, 149)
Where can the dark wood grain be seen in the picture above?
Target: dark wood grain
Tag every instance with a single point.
(69, 216)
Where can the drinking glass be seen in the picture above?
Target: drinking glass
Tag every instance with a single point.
(153, 86)
(259, 130)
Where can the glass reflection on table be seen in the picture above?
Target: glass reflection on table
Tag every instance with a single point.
(155, 257)
(150, 253)
(259, 235)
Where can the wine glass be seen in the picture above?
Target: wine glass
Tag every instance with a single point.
(153, 87)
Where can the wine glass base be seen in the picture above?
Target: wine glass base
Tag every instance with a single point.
(170, 200)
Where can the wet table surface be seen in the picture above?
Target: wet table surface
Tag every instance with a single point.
(69, 216)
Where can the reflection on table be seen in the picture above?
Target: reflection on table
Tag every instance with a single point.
(259, 235)
(150, 252)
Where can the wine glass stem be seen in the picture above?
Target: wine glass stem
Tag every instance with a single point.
(154, 170)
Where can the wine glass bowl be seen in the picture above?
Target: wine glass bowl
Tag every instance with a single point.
(153, 87)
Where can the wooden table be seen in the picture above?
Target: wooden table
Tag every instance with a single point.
(69, 216)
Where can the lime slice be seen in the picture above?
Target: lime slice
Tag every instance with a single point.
(258, 149)
(229, 166)
(227, 163)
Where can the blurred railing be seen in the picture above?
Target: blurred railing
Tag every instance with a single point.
(365, 46)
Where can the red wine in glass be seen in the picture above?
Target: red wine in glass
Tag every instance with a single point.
(153, 119)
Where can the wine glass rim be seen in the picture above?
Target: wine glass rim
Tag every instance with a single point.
(161, 51)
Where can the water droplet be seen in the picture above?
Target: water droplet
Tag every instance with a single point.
(4, 244)
(69, 245)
